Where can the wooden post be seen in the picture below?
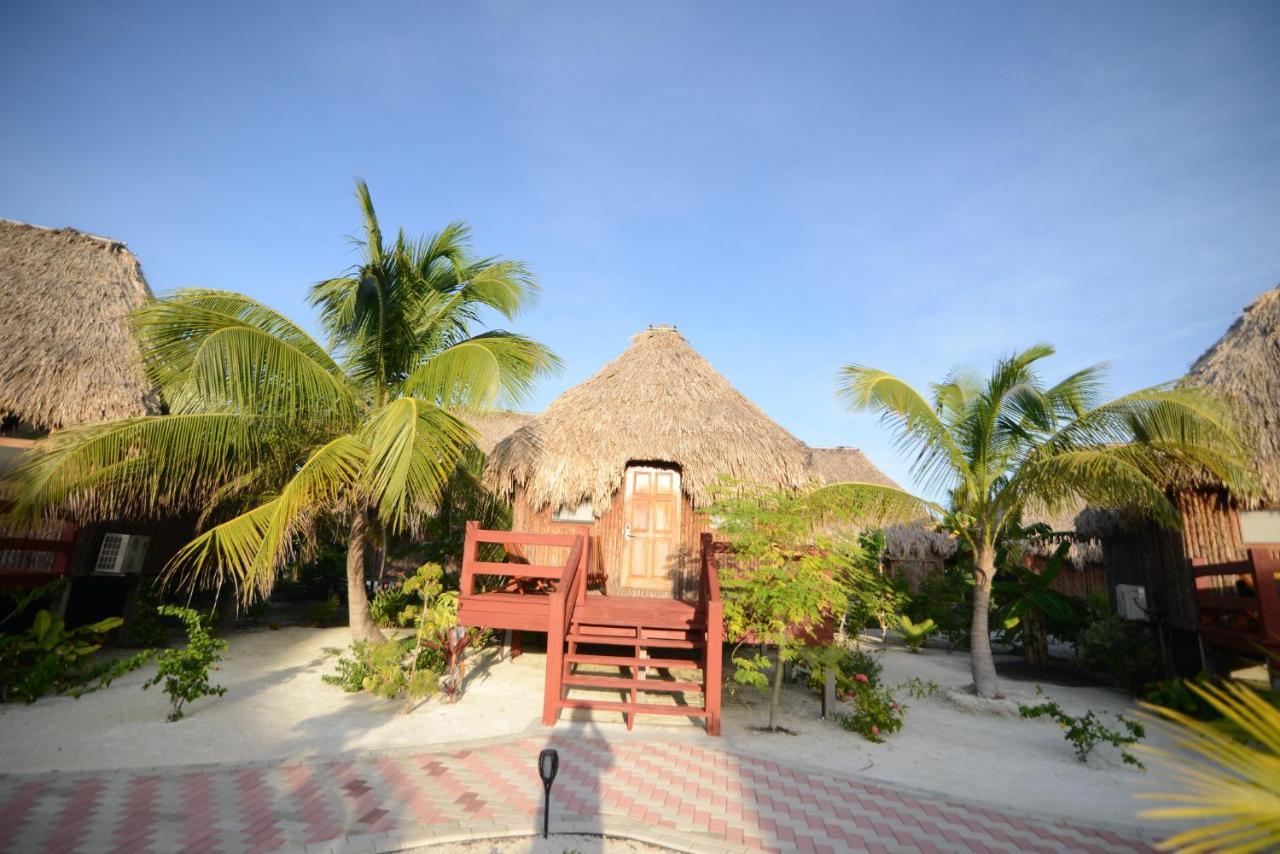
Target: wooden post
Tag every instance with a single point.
(555, 661)
(714, 662)
(469, 549)
(829, 695)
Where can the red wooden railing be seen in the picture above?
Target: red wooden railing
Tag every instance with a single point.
(565, 599)
(1239, 602)
(710, 602)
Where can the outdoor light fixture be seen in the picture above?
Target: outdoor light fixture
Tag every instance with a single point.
(548, 765)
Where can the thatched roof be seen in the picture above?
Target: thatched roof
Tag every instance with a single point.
(1073, 522)
(659, 400)
(846, 465)
(496, 425)
(1244, 366)
(918, 540)
(66, 353)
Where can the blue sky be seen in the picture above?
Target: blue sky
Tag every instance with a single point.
(796, 186)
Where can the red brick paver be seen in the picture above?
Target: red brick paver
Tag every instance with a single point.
(690, 796)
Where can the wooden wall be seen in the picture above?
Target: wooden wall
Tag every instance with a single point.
(1159, 559)
(605, 559)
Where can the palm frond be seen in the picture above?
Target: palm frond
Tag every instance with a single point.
(413, 448)
(1109, 476)
(482, 372)
(172, 462)
(939, 461)
(203, 359)
(1231, 786)
(223, 555)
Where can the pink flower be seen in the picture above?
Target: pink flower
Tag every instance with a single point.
(861, 677)
(875, 730)
(897, 708)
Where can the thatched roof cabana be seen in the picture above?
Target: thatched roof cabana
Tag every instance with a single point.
(66, 352)
(659, 400)
(845, 465)
(495, 425)
(1244, 366)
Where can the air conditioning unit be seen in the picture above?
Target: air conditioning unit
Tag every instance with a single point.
(121, 554)
(1131, 601)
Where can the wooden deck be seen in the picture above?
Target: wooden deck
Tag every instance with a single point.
(621, 646)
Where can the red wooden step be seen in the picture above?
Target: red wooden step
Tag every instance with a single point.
(631, 661)
(622, 640)
(635, 708)
(602, 681)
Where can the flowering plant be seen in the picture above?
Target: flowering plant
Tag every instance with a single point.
(875, 714)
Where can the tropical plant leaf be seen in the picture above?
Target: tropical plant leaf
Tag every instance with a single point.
(1232, 787)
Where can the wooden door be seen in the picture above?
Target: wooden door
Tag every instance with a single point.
(651, 532)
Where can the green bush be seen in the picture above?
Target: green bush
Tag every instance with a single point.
(409, 667)
(1121, 648)
(146, 629)
(47, 657)
(1085, 732)
(185, 671)
(391, 669)
(945, 597)
(848, 664)
(391, 606)
(321, 614)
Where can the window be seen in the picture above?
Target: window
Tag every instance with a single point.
(581, 513)
(1260, 526)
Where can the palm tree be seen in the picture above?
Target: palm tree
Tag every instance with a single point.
(273, 438)
(1002, 444)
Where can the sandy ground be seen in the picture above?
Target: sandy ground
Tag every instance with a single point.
(276, 706)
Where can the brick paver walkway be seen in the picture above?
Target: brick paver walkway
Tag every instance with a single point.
(690, 797)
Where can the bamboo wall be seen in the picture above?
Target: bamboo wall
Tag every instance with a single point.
(605, 559)
(1211, 526)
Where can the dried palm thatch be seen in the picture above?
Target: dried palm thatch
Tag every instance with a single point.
(845, 465)
(659, 400)
(1244, 367)
(66, 352)
(919, 540)
(495, 425)
(1066, 523)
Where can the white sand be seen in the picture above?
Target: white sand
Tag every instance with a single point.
(277, 707)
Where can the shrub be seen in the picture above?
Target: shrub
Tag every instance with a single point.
(48, 657)
(185, 671)
(875, 711)
(321, 614)
(409, 667)
(848, 664)
(918, 689)
(1121, 648)
(1087, 731)
(915, 634)
(389, 670)
(390, 604)
(146, 629)
(946, 597)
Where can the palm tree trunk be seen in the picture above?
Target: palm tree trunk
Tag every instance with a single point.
(981, 662)
(361, 620)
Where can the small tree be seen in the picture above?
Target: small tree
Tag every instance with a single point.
(785, 585)
(185, 671)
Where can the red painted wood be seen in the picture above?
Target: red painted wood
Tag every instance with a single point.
(1252, 621)
(521, 570)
